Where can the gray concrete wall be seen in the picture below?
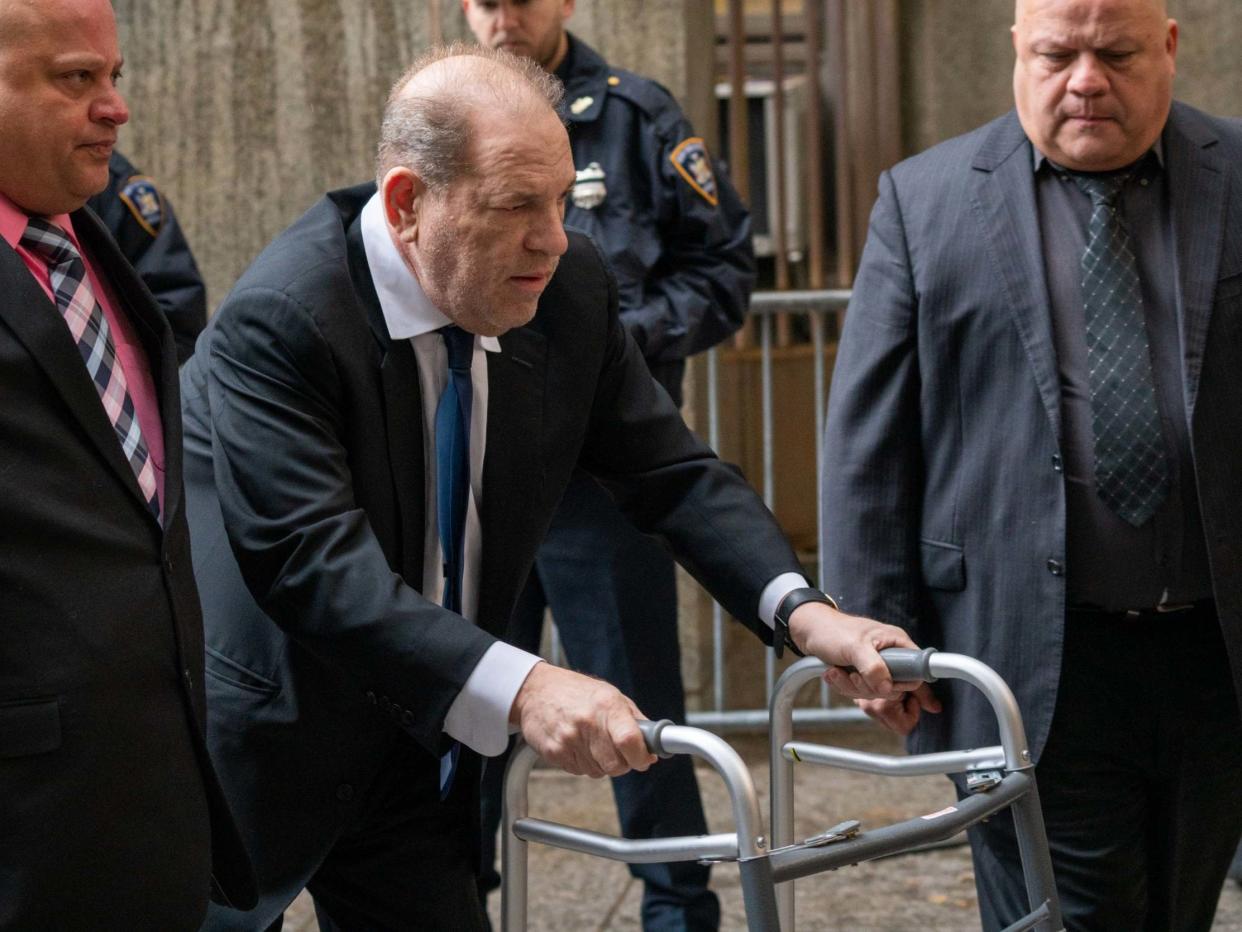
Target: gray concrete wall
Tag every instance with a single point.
(957, 63)
(245, 111)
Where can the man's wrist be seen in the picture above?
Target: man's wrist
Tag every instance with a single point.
(792, 601)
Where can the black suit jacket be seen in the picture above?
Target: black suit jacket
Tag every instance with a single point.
(109, 809)
(944, 503)
(306, 495)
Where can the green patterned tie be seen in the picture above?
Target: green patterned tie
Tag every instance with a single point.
(1131, 466)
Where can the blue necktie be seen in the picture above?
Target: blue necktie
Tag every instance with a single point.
(1131, 466)
(453, 485)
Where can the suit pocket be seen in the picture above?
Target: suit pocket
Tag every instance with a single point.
(224, 669)
(29, 726)
(944, 565)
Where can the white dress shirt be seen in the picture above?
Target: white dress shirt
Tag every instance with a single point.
(479, 716)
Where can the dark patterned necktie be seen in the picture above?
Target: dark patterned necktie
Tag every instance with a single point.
(453, 486)
(1131, 466)
(89, 328)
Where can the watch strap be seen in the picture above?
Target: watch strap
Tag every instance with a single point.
(788, 605)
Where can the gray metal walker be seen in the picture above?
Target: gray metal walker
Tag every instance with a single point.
(1000, 777)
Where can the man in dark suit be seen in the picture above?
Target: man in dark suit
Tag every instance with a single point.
(110, 815)
(380, 421)
(677, 237)
(1034, 428)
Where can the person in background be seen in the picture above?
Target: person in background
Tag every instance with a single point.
(143, 223)
(1033, 457)
(677, 236)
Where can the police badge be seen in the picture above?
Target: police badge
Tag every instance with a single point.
(589, 191)
(691, 161)
(143, 200)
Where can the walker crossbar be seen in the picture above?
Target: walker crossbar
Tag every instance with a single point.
(797, 861)
(628, 850)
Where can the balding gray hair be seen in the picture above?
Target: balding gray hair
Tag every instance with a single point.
(429, 131)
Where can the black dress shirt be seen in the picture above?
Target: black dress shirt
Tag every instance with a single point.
(1111, 564)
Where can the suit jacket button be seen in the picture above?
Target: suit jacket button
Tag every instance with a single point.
(1055, 568)
(344, 792)
(407, 718)
(1056, 462)
(371, 697)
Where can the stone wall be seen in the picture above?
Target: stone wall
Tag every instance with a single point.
(246, 111)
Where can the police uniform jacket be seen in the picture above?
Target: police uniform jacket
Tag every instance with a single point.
(674, 230)
(142, 222)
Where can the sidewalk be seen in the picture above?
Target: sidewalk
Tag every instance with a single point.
(928, 891)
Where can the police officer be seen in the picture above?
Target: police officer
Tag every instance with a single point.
(142, 222)
(678, 239)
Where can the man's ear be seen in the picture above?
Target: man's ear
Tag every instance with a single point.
(403, 192)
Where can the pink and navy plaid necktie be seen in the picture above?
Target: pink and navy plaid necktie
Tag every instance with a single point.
(90, 331)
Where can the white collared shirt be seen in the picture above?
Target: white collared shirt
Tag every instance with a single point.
(479, 716)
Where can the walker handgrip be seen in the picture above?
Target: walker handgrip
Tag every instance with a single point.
(651, 734)
(908, 665)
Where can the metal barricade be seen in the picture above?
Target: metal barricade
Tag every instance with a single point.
(819, 310)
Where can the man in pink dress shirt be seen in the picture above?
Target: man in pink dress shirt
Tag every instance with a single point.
(110, 814)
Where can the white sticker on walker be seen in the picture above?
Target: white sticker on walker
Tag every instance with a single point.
(936, 815)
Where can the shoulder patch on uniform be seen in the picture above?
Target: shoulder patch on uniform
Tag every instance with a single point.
(691, 160)
(143, 200)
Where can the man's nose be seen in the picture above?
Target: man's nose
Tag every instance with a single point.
(110, 108)
(1088, 77)
(548, 235)
(507, 15)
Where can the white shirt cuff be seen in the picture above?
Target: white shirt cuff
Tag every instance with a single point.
(775, 592)
(479, 716)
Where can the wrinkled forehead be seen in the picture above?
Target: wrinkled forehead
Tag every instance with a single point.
(1097, 16)
(513, 152)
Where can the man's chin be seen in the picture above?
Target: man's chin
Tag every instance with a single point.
(1094, 151)
(90, 181)
(517, 316)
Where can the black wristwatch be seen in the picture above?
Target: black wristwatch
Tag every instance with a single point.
(787, 606)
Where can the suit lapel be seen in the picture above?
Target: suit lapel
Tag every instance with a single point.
(512, 469)
(38, 324)
(1004, 200)
(403, 414)
(1197, 195)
